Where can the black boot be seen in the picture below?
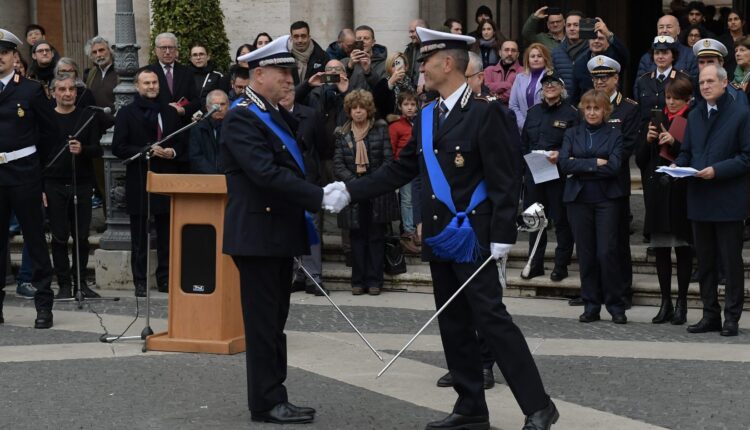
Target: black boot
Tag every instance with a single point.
(666, 312)
(680, 312)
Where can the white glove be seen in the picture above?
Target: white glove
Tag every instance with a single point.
(500, 250)
(335, 197)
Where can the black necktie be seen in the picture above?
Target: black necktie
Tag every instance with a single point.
(443, 113)
(661, 79)
(712, 112)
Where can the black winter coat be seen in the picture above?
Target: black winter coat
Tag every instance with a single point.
(379, 151)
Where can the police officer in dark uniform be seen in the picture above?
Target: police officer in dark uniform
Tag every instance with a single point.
(265, 225)
(649, 88)
(467, 151)
(544, 130)
(711, 51)
(28, 125)
(626, 117)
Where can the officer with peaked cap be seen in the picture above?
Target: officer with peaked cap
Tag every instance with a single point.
(711, 51)
(29, 128)
(266, 224)
(544, 129)
(626, 117)
(649, 87)
(467, 150)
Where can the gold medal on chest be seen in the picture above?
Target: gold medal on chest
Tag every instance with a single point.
(21, 113)
(459, 160)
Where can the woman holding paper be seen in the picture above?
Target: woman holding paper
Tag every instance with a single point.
(666, 202)
(544, 130)
(591, 155)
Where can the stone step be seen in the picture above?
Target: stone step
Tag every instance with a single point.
(417, 279)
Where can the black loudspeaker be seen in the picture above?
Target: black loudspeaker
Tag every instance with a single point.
(198, 268)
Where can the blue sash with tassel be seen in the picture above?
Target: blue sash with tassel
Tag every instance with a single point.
(457, 242)
(291, 144)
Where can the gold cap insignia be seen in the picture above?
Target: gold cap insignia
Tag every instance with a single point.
(706, 43)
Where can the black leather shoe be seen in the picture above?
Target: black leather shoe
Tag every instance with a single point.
(312, 289)
(456, 422)
(558, 274)
(488, 378)
(140, 290)
(298, 286)
(704, 326)
(666, 313)
(619, 319)
(446, 380)
(588, 317)
(680, 313)
(533, 273)
(43, 319)
(575, 301)
(542, 419)
(730, 328)
(304, 410)
(281, 414)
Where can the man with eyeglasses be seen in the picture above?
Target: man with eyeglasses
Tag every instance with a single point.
(44, 61)
(605, 43)
(500, 77)
(555, 26)
(668, 25)
(176, 84)
(206, 78)
(625, 116)
(28, 126)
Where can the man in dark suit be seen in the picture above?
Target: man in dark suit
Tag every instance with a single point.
(265, 225)
(311, 137)
(138, 124)
(176, 82)
(717, 144)
(626, 117)
(467, 150)
(28, 126)
(203, 145)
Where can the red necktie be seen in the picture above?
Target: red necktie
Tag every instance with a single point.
(170, 80)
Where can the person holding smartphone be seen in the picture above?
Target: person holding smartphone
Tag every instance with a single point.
(555, 27)
(365, 66)
(666, 220)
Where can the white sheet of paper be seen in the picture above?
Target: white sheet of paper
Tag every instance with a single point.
(677, 172)
(541, 169)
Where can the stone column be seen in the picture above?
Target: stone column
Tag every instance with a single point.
(390, 20)
(325, 17)
(79, 24)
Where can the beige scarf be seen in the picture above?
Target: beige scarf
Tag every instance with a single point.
(302, 57)
(360, 156)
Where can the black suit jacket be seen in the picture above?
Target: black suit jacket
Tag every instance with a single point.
(132, 134)
(26, 119)
(267, 191)
(486, 135)
(183, 82)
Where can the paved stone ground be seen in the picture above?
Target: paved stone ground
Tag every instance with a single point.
(66, 379)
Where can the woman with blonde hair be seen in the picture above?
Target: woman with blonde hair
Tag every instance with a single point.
(527, 88)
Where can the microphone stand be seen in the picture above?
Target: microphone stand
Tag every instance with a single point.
(147, 153)
(76, 232)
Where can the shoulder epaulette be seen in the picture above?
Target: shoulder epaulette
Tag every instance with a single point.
(631, 101)
(17, 78)
(734, 84)
(485, 98)
(646, 75)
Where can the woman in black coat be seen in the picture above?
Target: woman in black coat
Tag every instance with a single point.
(666, 204)
(591, 156)
(362, 146)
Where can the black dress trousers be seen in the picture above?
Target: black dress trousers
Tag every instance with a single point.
(265, 292)
(480, 309)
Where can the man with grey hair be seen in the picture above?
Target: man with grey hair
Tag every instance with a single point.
(475, 75)
(175, 80)
(203, 148)
(717, 145)
(412, 49)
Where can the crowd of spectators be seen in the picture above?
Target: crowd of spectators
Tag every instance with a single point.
(357, 102)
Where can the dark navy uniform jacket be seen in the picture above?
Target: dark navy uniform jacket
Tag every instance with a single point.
(485, 134)
(723, 142)
(26, 119)
(626, 118)
(268, 193)
(649, 92)
(545, 126)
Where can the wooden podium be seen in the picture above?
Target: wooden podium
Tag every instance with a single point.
(205, 314)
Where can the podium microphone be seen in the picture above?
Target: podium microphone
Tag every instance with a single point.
(214, 108)
(100, 109)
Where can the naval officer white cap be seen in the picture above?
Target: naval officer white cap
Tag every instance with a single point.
(433, 41)
(9, 40)
(709, 48)
(603, 65)
(276, 53)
